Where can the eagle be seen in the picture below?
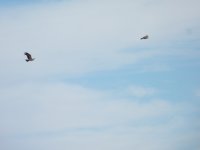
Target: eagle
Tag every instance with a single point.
(29, 57)
(144, 37)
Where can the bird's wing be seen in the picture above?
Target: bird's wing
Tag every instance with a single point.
(145, 37)
(28, 55)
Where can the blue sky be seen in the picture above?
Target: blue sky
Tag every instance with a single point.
(94, 84)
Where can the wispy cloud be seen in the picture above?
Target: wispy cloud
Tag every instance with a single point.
(73, 113)
(197, 92)
(139, 91)
(53, 106)
(79, 37)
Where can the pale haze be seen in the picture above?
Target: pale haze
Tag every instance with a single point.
(94, 85)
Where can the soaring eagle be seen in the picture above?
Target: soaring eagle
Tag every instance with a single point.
(29, 57)
(144, 37)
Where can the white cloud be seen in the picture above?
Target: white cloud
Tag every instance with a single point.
(56, 106)
(140, 91)
(80, 37)
(155, 68)
(58, 115)
(197, 92)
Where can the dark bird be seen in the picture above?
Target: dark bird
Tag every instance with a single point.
(29, 57)
(144, 37)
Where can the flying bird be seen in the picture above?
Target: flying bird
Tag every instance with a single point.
(29, 57)
(144, 37)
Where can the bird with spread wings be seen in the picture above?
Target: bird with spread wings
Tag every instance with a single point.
(29, 57)
(144, 37)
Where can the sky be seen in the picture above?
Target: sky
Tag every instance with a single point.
(94, 84)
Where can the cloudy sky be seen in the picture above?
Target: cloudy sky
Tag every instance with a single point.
(94, 85)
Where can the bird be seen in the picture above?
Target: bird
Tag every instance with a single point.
(144, 37)
(29, 57)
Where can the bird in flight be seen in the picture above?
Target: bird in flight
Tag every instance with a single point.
(144, 37)
(29, 57)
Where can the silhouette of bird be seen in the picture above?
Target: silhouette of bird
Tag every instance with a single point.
(144, 37)
(29, 57)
